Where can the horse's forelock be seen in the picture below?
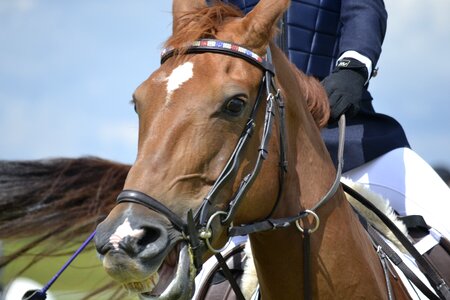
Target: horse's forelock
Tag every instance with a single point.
(201, 23)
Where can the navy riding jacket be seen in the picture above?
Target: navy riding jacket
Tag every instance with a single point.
(314, 34)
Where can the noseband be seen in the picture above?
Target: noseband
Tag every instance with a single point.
(196, 228)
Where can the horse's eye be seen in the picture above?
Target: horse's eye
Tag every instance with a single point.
(134, 103)
(234, 106)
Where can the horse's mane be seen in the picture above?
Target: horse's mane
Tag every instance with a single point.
(204, 22)
(57, 199)
(315, 96)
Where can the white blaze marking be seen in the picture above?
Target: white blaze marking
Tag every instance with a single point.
(179, 75)
(123, 231)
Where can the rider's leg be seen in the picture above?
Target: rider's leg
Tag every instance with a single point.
(410, 184)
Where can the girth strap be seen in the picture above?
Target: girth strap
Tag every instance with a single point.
(396, 260)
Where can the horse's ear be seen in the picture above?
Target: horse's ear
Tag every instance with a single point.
(181, 7)
(261, 21)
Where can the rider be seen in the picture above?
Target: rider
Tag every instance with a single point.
(339, 42)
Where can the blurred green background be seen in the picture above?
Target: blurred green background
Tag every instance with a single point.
(82, 277)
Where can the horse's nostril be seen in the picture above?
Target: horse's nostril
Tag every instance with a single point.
(132, 237)
(139, 244)
(151, 235)
(105, 249)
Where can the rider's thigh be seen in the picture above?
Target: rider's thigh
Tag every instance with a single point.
(410, 184)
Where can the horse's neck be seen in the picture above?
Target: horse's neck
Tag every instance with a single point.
(340, 240)
(311, 171)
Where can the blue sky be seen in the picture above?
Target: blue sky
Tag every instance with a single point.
(68, 70)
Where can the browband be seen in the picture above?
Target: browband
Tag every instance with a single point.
(221, 47)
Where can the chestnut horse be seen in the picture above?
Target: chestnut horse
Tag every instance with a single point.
(195, 150)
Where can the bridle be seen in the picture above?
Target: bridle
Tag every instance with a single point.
(196, 228)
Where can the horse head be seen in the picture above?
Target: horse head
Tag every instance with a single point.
(194, 150)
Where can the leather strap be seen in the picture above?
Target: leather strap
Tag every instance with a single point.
(396, 260)
(415, 222)
(221, 47)
(203, 288)
(153, 204)
(229, 276)
(307, 276)
(270, 224)
(435, 280)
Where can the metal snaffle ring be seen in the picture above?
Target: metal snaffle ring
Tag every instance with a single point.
(316, 219)
(206, 233)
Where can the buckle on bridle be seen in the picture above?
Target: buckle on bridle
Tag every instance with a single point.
(206, 233)
(316, 222)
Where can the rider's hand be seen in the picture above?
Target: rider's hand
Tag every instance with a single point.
(344, 87)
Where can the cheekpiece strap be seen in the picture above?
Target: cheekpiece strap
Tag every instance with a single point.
(221, 47)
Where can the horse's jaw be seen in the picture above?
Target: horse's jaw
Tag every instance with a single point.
(167, 283)
(182, 285)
